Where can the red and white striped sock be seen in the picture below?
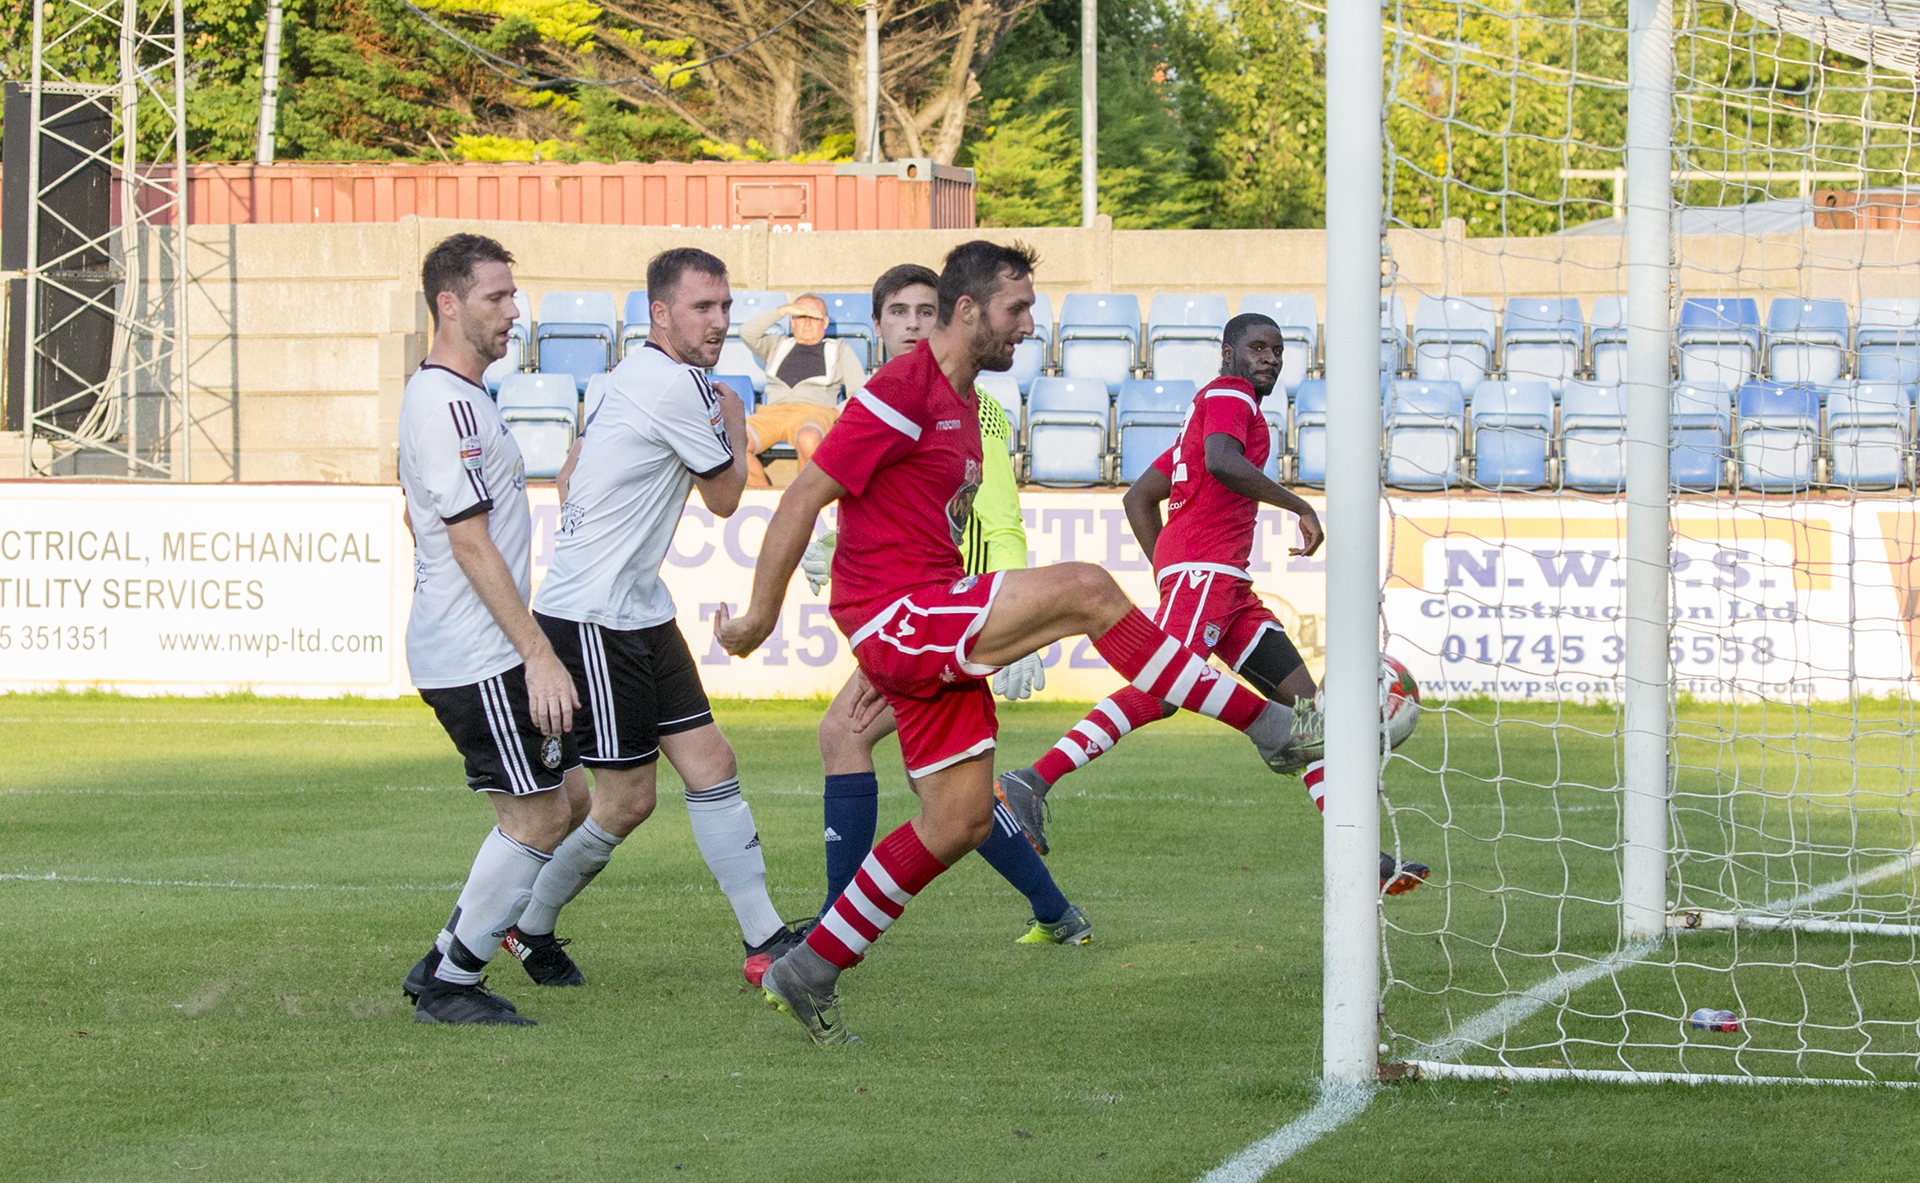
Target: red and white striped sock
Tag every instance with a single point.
(1314, 774)
(897, 870)
(1163, 668)
(1103, 727)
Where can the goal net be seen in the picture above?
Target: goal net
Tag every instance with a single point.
(1777, 934)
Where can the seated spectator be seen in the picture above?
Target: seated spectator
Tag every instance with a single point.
(808, 377)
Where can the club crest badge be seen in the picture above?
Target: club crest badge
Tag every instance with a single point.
(963, 585)
(550, 751)
(1212, 634)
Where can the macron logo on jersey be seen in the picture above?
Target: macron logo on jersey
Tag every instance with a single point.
(947, 425)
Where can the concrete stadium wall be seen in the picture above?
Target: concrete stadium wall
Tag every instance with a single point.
(303, 336)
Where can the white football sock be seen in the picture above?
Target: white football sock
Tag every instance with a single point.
(576, 861)
(723, 827)
(1272, 728)
(496, 892)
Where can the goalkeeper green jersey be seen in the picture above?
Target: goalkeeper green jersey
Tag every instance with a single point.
(996, 538)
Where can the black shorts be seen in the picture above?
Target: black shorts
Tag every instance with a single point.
(635, 686)
(489, 724)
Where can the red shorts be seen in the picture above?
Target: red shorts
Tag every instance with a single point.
(1213, 612)
(915, 652)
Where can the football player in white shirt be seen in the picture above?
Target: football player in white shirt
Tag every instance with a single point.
(476, 655)
(659, 431)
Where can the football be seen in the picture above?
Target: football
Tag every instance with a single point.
(1400, 701)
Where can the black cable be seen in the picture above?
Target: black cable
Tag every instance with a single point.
(523, 75)
(542, 80)
(744, 44)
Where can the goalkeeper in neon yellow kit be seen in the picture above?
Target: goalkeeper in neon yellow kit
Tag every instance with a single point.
(904, 306)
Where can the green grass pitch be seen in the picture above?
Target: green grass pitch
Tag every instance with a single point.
(209, 990)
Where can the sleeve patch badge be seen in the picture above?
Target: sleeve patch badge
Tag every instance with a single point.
(470, 452)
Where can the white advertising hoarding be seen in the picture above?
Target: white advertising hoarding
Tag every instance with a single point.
(184, 590)
(1525, 598)
(712, 560)
(304, 590)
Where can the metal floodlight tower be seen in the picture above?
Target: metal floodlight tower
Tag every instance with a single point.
(121, 276)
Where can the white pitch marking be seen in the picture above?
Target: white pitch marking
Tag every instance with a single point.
(236, 885)
(56, 877)
(1510, 1012)
(1843, 886)
(1338, 1105)
(220, 722)
(1776, 916)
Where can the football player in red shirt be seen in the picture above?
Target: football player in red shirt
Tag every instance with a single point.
(1213, 482)
(903, 461)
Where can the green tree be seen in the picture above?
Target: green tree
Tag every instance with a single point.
(1025, 150)
(1252, 86)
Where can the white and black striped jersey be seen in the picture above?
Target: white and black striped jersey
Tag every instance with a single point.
(655, 429)
(457, 460)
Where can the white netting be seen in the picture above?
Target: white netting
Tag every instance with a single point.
(1795, 585)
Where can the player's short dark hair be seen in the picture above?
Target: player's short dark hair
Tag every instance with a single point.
(1238, 328)
(978, 268)
(895, 280)
(664, 272)
(449, 266)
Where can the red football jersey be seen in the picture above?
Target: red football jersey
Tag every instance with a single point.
(1209, 526)
(907, 450)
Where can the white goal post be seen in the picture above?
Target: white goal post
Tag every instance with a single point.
(1671, 840)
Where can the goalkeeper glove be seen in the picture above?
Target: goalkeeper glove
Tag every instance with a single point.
(1021, 679)
(817, 562)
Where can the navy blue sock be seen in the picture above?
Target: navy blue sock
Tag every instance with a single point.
(853, 813)
(1008, 852)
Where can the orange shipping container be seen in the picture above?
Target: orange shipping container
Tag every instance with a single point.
(897, 195)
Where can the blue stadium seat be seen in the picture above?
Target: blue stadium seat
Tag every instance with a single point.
(590, 401)
(1309, 450)
(1512, 424)
(518, 337)
(1183, 337)
(740, 384)
(1099, 337)
(1148, 418)
(576, 334)
(1869, 427)
(1031, 356)
(749, 304)
(1393, 335)
(1779, 435)
(542, 411)
(1607, 337)
(1310, 433)
(1273, 409)
(850, 319)
(1004, 389)
(1426, 423)
(1718, 339)
(1453, 339)
(1067, 432)
(1593, 435)
(1543, 341)
(1702, 431)
(735, 357)
(1299, 321)
(1807, 340)
(1887, 341)
(636, 318)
